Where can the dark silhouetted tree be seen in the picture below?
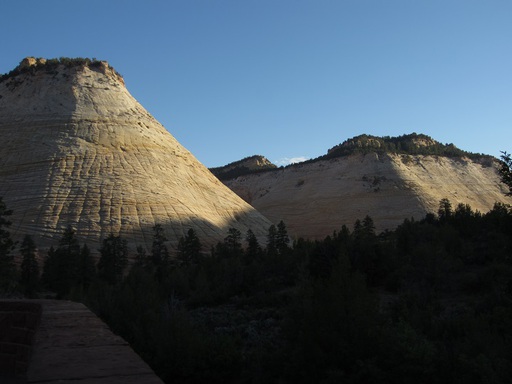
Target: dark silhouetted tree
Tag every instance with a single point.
(159, 251)
(253, 250)
(7, 267)
(233, 243)
(141, 258)
(29, 277)
(505, 171)
(445, 210)
(368, 226)
(189, 248)
(282, 239)
(61, 266)
(272, 240)
(113, 259)
(86, 269)
(365, 253)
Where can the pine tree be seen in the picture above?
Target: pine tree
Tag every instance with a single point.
(113, 259)
(368, 226)
(141, 258)
(505, 171)
(160, 259)
(445, 210)
(7, 267)
(189, 248)
(272, 241)
(61, 266)
(29, 277)
(253, 251)
(232, 242)
(49, 268)
(159, 252)
(282, 239)
(86, 269)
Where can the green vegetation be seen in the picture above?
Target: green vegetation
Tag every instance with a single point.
(430, 301)
(7, 267)
(29, 278)
(50, 66)
(505, 171)
(238, 168)
(411, 144)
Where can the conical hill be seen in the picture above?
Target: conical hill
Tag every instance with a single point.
(77, 149)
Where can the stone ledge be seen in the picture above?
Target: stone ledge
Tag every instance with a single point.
(71, 343)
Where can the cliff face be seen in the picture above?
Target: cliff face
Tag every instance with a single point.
(77, 149)
(318, 197)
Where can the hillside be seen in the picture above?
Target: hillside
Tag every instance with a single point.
(79, 150)
(389, 179)
(410, 144)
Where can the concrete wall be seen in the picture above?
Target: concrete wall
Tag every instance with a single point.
(18, 323)
(56, 341)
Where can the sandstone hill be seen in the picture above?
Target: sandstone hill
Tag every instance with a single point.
(390, 179)
(250, 164)
(77, 149)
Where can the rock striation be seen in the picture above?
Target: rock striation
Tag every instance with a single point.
(316, 197)
(77, 149)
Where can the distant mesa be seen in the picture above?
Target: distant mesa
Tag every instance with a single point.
(388, 178)
(410, 144)
(77, 149)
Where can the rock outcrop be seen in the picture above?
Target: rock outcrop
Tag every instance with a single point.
(252, 164)
(77, 149)
(316, 197)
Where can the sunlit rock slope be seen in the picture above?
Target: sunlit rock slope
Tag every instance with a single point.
(372, 176)
(77, 149)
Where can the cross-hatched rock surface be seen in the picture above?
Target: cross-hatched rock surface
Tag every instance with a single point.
(316, 198)
(77, 149)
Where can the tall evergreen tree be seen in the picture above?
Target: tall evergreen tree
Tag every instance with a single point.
(61, 265)
(160, 258)
(233, 242)
(189, 248)
(49, 268)
(368, 226)
(141, 258)
(7, 267)
(253, 251)
(29, 277)
(445, 210)
(159, 251)
(113, 259)
(505, 171)
(272, 240)
(86, 269)
(282, 239)
(364, 253)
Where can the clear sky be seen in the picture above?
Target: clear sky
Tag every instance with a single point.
(290, 78)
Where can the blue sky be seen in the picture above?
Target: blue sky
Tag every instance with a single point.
(290, 78)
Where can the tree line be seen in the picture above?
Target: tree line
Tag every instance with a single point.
(51, 65)
(430, 301)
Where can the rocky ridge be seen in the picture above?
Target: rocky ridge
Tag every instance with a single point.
(251, 164)
(79, 150)
(318, 196)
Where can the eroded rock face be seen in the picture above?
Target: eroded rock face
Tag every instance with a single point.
(316, 198)
(77, 149)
